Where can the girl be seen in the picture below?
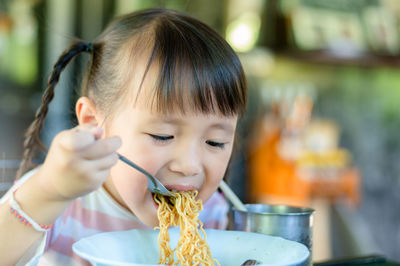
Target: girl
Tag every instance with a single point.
(163, 89)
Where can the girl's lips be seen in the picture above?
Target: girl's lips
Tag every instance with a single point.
(181, 187)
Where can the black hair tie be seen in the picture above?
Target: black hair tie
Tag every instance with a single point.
(88, 47)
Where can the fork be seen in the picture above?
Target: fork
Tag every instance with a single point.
(153, 184)
(250, 262)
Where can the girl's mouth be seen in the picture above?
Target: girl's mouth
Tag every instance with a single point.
(154, 201)
(180, 187)
(153, 195)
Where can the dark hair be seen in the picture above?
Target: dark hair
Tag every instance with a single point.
(193, 61)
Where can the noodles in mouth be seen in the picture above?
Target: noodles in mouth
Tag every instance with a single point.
(182, 211)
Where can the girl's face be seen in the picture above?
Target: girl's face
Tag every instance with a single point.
(184, 151)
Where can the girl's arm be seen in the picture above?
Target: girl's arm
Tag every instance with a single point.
(16, 238)
(77, 164)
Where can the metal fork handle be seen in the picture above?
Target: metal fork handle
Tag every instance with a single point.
(154, 185)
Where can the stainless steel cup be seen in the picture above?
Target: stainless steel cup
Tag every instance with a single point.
(292, 223)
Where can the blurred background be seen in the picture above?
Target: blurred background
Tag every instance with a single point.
(321, 129)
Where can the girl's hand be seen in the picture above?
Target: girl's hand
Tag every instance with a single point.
(78, 162)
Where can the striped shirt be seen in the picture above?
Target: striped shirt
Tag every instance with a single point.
(95, 213)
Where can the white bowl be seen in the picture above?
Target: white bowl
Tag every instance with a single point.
(140, 247)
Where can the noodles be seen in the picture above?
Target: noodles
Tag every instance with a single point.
(182, 211)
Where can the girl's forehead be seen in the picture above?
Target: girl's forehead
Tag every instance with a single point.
(145, 104)
(145, 98)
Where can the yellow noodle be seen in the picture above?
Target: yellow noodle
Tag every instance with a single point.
(183, 211)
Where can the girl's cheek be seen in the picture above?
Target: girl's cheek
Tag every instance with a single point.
(132, 188)
(154, 160)
(217, 167)
(125, 177)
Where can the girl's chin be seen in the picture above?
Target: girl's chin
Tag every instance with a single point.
(151, 218)
(151, 223)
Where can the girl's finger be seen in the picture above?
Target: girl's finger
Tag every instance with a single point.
(101, 148)
(95, 130)
(104, 163)
(101, 176)
(79, 137)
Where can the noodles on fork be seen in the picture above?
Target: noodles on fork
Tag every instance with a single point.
(182, 211)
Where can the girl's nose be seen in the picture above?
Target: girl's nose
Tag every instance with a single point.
(187, 163)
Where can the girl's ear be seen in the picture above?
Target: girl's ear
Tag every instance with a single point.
(86, 111)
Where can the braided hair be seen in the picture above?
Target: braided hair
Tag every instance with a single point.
(32, 135)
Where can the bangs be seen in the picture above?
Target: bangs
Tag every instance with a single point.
(197, 70)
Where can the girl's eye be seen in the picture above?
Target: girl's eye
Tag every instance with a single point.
(161, 138)
(216, 144)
